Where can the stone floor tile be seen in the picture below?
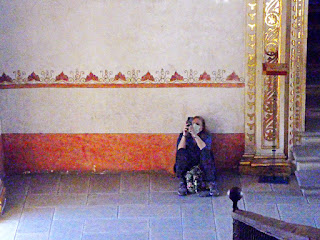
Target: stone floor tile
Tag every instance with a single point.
(251, 184)
(44, 184)
(304, 220)
(66, 229)
(202, 234)
(35, 220)
(33, 236)
(17, 184)
(261, 198)
(226, 181)
(160, 182)
(42, 200)
(152, 211)
(296, 214)
(296, 209)
(144, 198)
(135, 182)
(224, 227)
(223, 205)
(14, 207)
(116, 226)
(115, 236)
(118, 198)
(289, 199)
(88, 212)
(72, 183)
(174, 198)
(166, 224)
(104, 183)
(197, 216)
(291, 188)
(267, 210)
(8, 229)
(166, 235)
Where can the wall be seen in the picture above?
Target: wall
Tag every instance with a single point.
(147, 35)
(107, 85)
(2, 173)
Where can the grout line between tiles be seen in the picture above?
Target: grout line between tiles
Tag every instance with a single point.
(83, 225)
(58, 184)
(118, 211)
(54, 211)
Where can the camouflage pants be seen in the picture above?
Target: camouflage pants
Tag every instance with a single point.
(186, 160)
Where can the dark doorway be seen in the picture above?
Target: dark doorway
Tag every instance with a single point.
(313, 68)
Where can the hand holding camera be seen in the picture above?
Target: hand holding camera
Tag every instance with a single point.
(188, 128)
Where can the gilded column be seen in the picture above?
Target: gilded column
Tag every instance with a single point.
(297, 64)
(250, 88)
(265, 119)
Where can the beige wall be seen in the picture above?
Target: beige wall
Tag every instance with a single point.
(120, 36)
(119, 110)
(1, 155)
(148, 35)
(189, 37)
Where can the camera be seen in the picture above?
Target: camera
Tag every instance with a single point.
(189, 121)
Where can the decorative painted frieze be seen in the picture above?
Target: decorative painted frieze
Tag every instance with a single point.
(108, 77)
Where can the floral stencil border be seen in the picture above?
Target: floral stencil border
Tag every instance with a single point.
(106, 77)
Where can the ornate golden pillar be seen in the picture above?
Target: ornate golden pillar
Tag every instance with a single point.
(271, 100)
(297, 77)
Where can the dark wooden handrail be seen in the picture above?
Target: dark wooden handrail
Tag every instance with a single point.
(270, 228)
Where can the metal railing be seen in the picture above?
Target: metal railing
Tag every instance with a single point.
(252, 226)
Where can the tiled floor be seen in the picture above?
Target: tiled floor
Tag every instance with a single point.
(139, 206)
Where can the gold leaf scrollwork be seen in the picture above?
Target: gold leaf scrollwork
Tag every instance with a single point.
(271, 52)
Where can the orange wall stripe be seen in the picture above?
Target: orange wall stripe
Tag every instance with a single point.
(106, 152)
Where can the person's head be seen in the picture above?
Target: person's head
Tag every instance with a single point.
(200, 122)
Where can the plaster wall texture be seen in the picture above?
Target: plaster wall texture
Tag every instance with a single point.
(147, 35)
(183, 36)
(1, 155)
(120, 110)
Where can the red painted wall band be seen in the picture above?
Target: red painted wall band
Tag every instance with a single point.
(106, 152)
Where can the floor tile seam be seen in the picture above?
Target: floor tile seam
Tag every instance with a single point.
(20, 215)
(85, 218)
(121, 182)
(28, 188)
(149, 228)
(83, 227)
(213, 214)
(16, 232)
(149, 180)
(87, 198)
(58, 184)
(117, 231)
(278, 211)
(182, 221)
(118, 211)
(88, 185)
(50, 228)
